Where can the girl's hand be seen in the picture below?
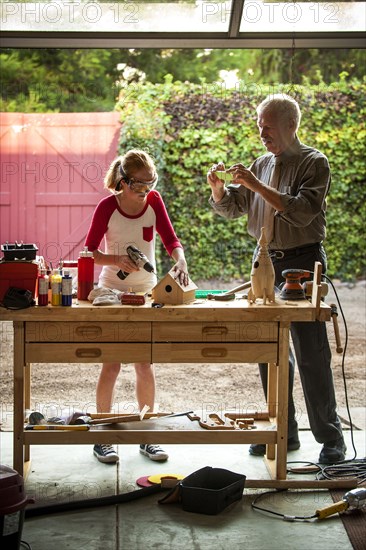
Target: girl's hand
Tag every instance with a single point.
(126, 264)
(180, 271)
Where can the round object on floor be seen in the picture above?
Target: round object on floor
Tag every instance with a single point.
(158, 477)
(144, 482)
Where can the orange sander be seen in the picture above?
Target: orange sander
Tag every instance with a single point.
(292, 288)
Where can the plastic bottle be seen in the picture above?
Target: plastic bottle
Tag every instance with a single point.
(49, 273)
(66, 288)
(43, 284)
(72, 266)
(56, 281)
(85, 273)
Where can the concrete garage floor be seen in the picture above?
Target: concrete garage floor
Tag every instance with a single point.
(70, 473)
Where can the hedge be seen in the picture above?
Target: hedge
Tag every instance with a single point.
(187, 127)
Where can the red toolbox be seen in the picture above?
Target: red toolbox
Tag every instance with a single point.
(18, 274)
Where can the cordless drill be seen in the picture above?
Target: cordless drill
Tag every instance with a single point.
(139, 259)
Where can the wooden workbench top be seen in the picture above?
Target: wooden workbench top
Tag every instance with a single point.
(200, 310)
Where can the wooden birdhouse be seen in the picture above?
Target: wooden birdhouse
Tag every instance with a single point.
(170, 291)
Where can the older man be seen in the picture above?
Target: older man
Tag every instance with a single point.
(285, 191)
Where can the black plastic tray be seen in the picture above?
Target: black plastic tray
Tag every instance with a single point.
(210, 490)
(19, 251)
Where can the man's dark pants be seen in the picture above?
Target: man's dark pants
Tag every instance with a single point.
(313, 356)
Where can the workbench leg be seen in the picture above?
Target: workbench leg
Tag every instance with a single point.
(282, 400)
(19, 405)
(272, 403)
(27, 403)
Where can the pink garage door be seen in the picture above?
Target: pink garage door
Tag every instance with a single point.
(52, 169)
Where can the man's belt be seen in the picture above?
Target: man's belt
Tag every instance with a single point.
(281, 254)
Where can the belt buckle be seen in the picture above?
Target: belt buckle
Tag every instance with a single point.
(278, 254)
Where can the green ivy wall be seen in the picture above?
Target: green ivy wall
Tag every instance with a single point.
(188, 127)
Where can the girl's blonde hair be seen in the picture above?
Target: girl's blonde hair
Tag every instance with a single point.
(135, 159)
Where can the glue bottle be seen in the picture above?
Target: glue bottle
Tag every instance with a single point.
(43, 284)
(85, 273)
(66, 288)
(56, 281)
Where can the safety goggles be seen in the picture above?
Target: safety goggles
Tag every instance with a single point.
(136, 185)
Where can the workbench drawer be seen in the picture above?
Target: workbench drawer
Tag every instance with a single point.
(88, 332)
(214, 353)
(87, 353)
(215, 332)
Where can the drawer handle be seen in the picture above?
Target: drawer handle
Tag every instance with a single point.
(88, 352)
(89, 332)
(215, 330)
(214, 352)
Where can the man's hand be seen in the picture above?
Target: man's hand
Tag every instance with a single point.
(217, 185)
(243, 176)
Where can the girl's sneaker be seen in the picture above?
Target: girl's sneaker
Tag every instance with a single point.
(154, 452)
(105, 453)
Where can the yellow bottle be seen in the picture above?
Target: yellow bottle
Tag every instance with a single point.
(56, 282)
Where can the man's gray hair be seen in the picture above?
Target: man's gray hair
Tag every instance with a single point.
(285, 106)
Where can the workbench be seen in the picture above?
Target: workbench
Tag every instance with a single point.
(205, 331)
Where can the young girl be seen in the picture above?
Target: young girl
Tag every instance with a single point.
(132, 215)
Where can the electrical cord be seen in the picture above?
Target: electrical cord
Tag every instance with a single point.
(343, 371)
(351, 468)
(355, 469)
(285, 517)
(347, 468)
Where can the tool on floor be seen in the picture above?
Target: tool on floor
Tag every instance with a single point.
(159, 478)
(292, 288)
(166, 481)
(139, 259)
(353, 500)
